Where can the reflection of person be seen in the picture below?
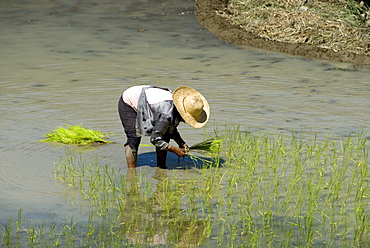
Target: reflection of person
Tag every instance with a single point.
(156, 112)
(156, 218)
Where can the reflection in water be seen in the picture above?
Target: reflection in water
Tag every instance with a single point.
(159, 219)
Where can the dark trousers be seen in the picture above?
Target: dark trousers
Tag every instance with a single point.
(128, 119)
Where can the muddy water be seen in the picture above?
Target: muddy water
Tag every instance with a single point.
(67, 62)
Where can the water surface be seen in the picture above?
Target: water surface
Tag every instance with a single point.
(68, 62)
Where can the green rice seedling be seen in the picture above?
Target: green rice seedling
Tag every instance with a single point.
(76, 135)
(211, 148)
(136, 201)
(272, 190)
(19, 221)
(211, 145)
(7, 233)
(307, 183)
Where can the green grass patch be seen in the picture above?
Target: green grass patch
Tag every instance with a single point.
(76, 135)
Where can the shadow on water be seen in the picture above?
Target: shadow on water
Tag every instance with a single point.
(176, 163)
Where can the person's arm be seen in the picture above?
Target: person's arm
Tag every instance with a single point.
(158, 133)
(176, 150)
(179, 140)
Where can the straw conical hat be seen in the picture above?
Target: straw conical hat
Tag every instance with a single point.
(192, 106)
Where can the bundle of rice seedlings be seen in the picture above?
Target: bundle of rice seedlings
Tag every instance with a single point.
(75, 135)
(210, 145)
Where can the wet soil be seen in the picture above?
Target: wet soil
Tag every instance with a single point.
(206, 14)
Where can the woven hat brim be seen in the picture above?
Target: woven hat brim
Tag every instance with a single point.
(178, 97)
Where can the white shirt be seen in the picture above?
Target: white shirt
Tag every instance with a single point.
(153, 95)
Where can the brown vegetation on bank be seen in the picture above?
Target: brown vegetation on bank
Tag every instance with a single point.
(334, 30)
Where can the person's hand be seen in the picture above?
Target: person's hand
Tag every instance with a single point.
(178, 151)
(185, 148)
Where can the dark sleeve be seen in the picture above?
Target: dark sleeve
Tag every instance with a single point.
(161, 126)
(177, 137)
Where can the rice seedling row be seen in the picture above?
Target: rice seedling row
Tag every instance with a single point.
(259, 190)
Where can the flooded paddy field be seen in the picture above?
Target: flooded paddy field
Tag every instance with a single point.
(68, 63)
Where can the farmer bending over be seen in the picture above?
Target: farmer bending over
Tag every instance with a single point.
(156, 112)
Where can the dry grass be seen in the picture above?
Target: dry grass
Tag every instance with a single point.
(333, 24)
